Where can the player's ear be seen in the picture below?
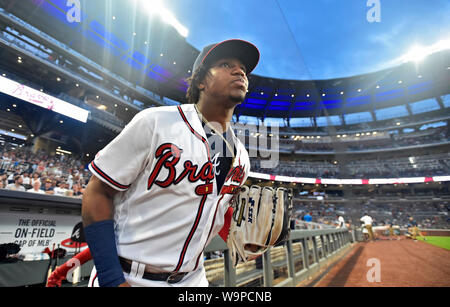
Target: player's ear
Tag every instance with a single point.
(203, 83)
(201, 86)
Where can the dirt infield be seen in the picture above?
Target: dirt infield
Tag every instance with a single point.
(402, 263)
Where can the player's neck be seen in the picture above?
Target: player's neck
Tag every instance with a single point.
(214, 113)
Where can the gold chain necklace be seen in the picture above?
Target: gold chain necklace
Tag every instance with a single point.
(213, 130)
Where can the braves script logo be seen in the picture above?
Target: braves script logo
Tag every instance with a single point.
(168, 156)
(237, 174)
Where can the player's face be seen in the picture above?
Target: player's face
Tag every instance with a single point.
(227, 80)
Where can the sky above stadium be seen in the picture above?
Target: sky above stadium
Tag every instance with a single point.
(317, 39)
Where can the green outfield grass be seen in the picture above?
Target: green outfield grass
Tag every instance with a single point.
(443, 242)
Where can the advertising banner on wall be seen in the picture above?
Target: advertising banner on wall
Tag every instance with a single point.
(43, 100)
(36, 232)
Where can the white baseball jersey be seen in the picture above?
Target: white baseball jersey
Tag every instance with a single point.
(367, 220)
(341, 222)
(169, 207)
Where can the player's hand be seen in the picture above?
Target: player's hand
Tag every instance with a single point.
(125, 285)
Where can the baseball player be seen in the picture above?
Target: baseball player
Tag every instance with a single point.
(161, 190)
(413, 230)
(367, 221)
(340, 221)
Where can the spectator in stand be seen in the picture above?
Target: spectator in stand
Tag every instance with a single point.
(26, 180)
(77, 192)
(307, 217)
(3, 181)
(6, 160)
(17, 185)
(41, 167)
(61, 189)
(69, 180)
(36, 188)
(69, 191)
(10, 178)
(48, 187)
(35, 178)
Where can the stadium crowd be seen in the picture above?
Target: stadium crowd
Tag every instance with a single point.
(61, 174)
(430, 136)
(428, 215)
(412, 166)
(23, 170)
(38, 172)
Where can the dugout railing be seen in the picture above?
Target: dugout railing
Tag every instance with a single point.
(305, 254)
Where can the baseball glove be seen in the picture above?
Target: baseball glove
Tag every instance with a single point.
(285, 200)
(260, 220)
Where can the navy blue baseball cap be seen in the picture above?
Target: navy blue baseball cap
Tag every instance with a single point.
(246, 52)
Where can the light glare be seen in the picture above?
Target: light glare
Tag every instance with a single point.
(155, 6)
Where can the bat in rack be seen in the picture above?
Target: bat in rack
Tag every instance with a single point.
(57, 257)
(50, 268)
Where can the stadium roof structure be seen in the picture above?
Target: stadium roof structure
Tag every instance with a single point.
(152, 54)
(142, 49)
(409, 82)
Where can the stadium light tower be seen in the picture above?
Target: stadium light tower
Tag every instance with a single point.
(156, 7)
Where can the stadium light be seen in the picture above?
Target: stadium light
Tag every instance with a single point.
(418, 53)
(12, 134)
(156, 7)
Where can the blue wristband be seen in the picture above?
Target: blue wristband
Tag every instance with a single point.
(102, 243)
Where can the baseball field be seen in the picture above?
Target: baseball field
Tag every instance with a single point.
(440, 241)
(392, 263)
